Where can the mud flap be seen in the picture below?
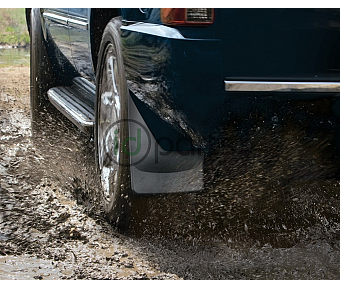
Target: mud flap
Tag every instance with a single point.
(154, 170)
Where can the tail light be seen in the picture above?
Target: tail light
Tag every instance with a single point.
(187, 16)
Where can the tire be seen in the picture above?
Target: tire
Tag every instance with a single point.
(41, 71)
(111, 111)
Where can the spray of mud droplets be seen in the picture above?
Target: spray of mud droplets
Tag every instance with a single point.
(269, 210)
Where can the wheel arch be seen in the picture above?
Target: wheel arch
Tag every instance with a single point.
(99, 17)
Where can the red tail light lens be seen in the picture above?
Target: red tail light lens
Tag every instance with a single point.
(187, 16)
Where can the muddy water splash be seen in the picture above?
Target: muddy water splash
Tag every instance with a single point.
(270, 169)
(270, 208)
(44, 231)
(271, 205)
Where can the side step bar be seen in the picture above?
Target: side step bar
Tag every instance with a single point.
(76, 102)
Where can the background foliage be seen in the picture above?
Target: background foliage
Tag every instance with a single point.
(13, 29)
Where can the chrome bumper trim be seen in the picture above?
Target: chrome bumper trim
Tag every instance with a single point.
(262, 86)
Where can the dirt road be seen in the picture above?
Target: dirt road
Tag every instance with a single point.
(270, 209)
(44, 234)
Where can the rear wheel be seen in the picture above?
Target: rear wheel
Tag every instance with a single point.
(41, 72)
(111, 128)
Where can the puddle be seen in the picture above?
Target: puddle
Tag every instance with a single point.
(14, 57)
(2, 236)
(27, 268)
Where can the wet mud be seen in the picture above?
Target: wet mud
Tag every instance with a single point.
(269, 210)
(45, 231)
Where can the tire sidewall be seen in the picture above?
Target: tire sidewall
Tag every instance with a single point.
(42, 76)
(117, 208)
(36, 90)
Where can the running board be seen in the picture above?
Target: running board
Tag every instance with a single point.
(76, 102)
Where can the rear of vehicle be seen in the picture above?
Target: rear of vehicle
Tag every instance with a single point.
(270, 44)
(211, 56)
(165, 80)
(279, 44)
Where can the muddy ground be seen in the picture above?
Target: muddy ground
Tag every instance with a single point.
(44, 234)
(270, 209)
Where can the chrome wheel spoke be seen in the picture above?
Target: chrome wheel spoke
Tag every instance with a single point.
(108, 125)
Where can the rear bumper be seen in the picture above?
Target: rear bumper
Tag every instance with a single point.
(271, 86)
(182, 90)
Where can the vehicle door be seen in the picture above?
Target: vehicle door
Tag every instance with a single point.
(57, 28)
(78, 22)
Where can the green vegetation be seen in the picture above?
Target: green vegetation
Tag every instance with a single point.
(13, 29)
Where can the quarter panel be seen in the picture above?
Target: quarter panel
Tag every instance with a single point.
(56, 24)
(178, 79)
(80, 42)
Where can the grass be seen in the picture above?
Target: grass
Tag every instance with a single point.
(13, 29)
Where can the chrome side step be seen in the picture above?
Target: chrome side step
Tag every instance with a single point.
(263, 86)
(76, 102)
